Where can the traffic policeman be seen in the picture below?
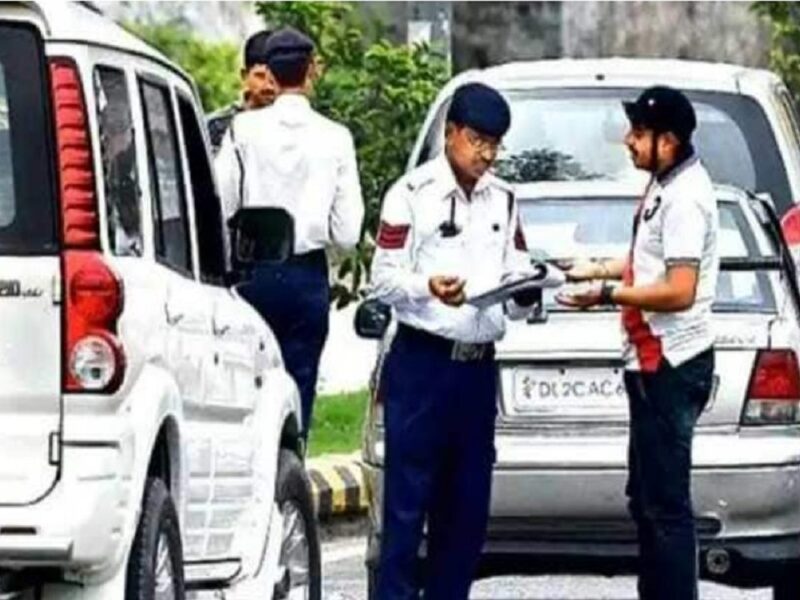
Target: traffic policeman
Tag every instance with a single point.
(449, 230)
(667, 291)
(289, 156)
(258, 88)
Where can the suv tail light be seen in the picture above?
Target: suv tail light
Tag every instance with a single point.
(773, 397)
(790, 225)
(93, 358)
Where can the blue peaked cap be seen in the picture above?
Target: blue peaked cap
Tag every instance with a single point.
(481, 108)
(287, 45)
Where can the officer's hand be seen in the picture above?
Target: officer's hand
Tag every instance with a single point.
(448, 289)
(579, 269)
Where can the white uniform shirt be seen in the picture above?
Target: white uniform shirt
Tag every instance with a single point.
(289, 156)
(489, 250)
(678, 224)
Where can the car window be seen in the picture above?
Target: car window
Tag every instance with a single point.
(577, 134)
(171, 224)
(27, 199)
(118, 153)
(602, 228)
(207, 208)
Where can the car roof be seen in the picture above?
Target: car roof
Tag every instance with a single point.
(618, 72)
(83, 22)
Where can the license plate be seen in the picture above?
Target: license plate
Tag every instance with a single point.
(570, 391)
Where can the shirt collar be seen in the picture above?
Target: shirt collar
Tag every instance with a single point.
(292, 101)
(687, 158)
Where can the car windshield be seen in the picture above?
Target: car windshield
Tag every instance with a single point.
(602, 227)
(569, 134)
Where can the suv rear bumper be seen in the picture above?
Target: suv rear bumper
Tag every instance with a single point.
(79, 524)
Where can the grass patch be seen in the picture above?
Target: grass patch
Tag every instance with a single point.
(337, 423)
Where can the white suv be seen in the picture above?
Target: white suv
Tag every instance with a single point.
(148, 429)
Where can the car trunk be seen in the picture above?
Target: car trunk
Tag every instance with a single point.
(569, 370)
(30, 269)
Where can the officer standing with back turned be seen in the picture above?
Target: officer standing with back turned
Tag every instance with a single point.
(449, 230)
(289, 156)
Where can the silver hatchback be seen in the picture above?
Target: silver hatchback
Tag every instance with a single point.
(558, 502)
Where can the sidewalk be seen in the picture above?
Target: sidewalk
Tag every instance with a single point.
(337, 485)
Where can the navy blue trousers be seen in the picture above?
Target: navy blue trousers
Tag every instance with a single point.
(294, 299)
(439, 418)
(664, 408)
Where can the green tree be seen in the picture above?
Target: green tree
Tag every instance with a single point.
(381, 91)
(213, 66)
(784, 24)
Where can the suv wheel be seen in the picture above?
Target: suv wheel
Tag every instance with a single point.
(299, 562)
(372, 583)
(787, 587)
(155, 567)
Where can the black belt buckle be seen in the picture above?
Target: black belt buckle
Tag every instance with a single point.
(466, 352)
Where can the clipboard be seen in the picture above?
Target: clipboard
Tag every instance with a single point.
(544, 276)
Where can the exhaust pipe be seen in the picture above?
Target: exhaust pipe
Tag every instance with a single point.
(718, 561)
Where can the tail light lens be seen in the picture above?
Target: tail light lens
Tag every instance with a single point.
(773, 397)
(93, 300)
(790, 225)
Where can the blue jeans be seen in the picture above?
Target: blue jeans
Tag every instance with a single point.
(664, 408)
(294, 299)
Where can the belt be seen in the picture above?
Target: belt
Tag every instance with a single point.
(315, 259)
(457, 351)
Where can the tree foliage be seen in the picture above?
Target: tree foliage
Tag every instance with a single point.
(784, 56)
(381, 91)
(213, 66)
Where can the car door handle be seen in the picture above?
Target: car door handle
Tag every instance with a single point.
(219, 331)
(172, 319)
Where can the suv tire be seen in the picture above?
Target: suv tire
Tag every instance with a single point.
(156, 559)
(787, 587)
(299, 531)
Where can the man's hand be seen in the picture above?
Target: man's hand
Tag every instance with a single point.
(449, 290)
(580, 270)
(582, 299)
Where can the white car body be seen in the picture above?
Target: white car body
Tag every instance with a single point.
(205, 403)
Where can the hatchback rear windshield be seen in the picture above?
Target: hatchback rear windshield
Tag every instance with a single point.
(568, 134)
(27, 223)
(602, 228)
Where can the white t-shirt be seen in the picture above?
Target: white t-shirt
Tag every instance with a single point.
(678, 223)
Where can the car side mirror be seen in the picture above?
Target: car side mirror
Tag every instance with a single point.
(260, 235)
(372, 319)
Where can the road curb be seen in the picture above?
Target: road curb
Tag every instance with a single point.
(337, 485)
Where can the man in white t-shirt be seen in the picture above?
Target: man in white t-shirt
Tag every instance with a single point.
(668, 285)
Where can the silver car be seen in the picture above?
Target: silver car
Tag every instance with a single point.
(558, 502)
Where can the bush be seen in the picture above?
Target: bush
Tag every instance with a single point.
(213, 66)
(784, 56)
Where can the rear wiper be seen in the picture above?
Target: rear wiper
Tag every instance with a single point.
(748, 263)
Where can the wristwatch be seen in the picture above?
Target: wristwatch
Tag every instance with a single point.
(607, 294)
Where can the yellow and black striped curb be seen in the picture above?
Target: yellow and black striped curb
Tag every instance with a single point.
(337, 485)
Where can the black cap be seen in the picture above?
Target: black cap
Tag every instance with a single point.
(288, 45)
(480, 107)
(663, 109)
(255, 49)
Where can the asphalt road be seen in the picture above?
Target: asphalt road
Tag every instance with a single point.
(344, 579)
